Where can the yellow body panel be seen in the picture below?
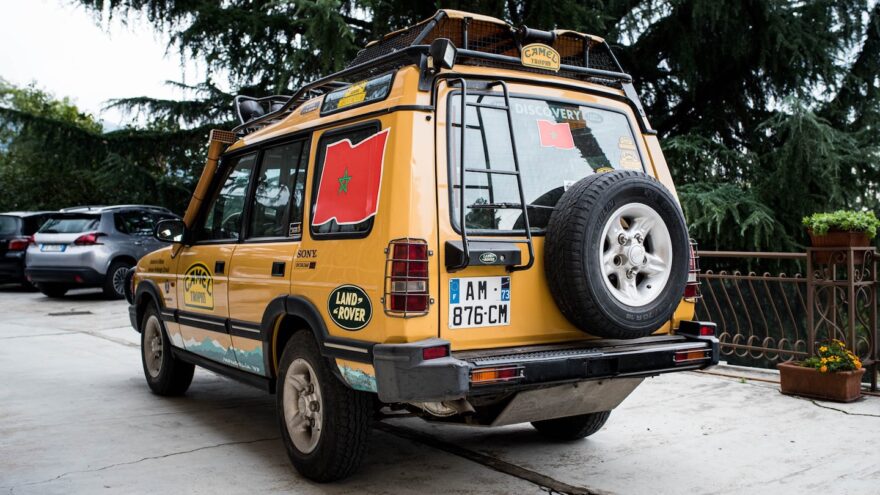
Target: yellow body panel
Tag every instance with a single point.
(413, 202)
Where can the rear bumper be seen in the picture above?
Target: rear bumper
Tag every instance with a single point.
(403, 376)
(12, 266)
(83, 277)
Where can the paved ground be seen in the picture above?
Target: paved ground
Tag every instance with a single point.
(77, 417)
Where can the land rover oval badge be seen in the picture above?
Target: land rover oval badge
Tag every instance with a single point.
(349, 307)
(488, 258)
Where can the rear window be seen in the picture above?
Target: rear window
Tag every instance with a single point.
(70, 224)
(8, 225)
(557, 143)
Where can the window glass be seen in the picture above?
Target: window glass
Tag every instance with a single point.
(278, 197)
(557, 144)
(223, 220)
(70, 224)
(345, 188)
(135, 222)
(8, 225)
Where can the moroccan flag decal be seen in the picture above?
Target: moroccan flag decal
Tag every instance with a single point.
(350, 180)
(555, 135)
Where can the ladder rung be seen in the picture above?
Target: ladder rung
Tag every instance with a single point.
(496, 206)
(502, 241)
(486, 105)
(491, 171)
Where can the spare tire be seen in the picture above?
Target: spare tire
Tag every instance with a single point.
(617, 254)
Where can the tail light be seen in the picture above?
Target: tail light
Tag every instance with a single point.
(486, 376)
(90, 239)
(20, 244)
(692, 289)
(406, 278)
(436, 352)
(685, 357)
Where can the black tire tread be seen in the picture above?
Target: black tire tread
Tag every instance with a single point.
(565, 248)
(175, 375)
(347, 420)
(107, 288)
(572, 427)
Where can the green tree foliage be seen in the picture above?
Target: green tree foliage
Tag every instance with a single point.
(52, 156)
(767, 109)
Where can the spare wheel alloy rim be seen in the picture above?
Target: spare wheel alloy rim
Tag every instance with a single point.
(635, 254)
(303, 407)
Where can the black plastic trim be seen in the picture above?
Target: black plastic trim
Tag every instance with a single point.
(266, 384)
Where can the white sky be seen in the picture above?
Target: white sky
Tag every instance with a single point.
(67, 52)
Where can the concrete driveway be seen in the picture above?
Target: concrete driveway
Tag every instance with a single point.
(77, 417)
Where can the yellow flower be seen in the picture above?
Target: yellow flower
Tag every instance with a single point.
(823, 369)
(823, 349)
(824, 360)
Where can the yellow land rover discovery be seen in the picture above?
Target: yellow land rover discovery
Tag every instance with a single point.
(472, 222)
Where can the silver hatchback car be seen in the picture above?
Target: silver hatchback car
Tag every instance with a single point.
(92, 247)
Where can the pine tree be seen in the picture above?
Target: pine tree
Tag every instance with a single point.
(767, 109)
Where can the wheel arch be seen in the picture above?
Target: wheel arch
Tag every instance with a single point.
(286, 315)
(147, 292)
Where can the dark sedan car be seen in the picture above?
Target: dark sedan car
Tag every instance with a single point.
(17, 230)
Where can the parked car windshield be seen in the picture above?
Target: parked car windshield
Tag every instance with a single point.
(70, 224)
(8, 225)
(557, 143)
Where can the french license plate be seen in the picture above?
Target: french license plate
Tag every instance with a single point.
(479, 302)
(53, 248)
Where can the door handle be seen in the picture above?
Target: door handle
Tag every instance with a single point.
(278, 268)
(219, 266)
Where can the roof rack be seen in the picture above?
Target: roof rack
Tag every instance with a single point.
(481, 40)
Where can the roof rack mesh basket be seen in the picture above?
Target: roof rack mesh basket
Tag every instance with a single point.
(479, 35)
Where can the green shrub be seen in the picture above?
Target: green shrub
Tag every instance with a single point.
(833, 356)
(847, 221)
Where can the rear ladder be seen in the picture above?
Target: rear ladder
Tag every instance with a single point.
(466, 239)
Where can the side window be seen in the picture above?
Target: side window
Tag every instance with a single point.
(348, 173)
(224, 211)
(278, 196)
(135, 222)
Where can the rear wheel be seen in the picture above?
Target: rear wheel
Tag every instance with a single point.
(325, 425)
(165, 374)
(572, 427)
(53, 290)
(114, 283)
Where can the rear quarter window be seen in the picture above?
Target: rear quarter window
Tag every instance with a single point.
(345, 191)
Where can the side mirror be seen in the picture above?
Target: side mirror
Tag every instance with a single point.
(170, 230)
(443, 53)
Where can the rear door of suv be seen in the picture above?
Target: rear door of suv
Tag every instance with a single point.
(558, 141)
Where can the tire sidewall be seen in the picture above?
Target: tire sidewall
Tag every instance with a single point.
(305, 349)
(165, 366)
(659, 310)
(109, 288)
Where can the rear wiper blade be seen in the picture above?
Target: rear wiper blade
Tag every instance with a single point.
(506, 206)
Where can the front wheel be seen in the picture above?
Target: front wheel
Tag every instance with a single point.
(572, 427)
(165, 374)
(325, 425)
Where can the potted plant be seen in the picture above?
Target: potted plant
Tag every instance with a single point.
(840, 229)
(834, 374)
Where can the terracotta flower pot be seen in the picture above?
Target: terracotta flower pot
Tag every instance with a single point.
(836, 239)
(842, 386)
